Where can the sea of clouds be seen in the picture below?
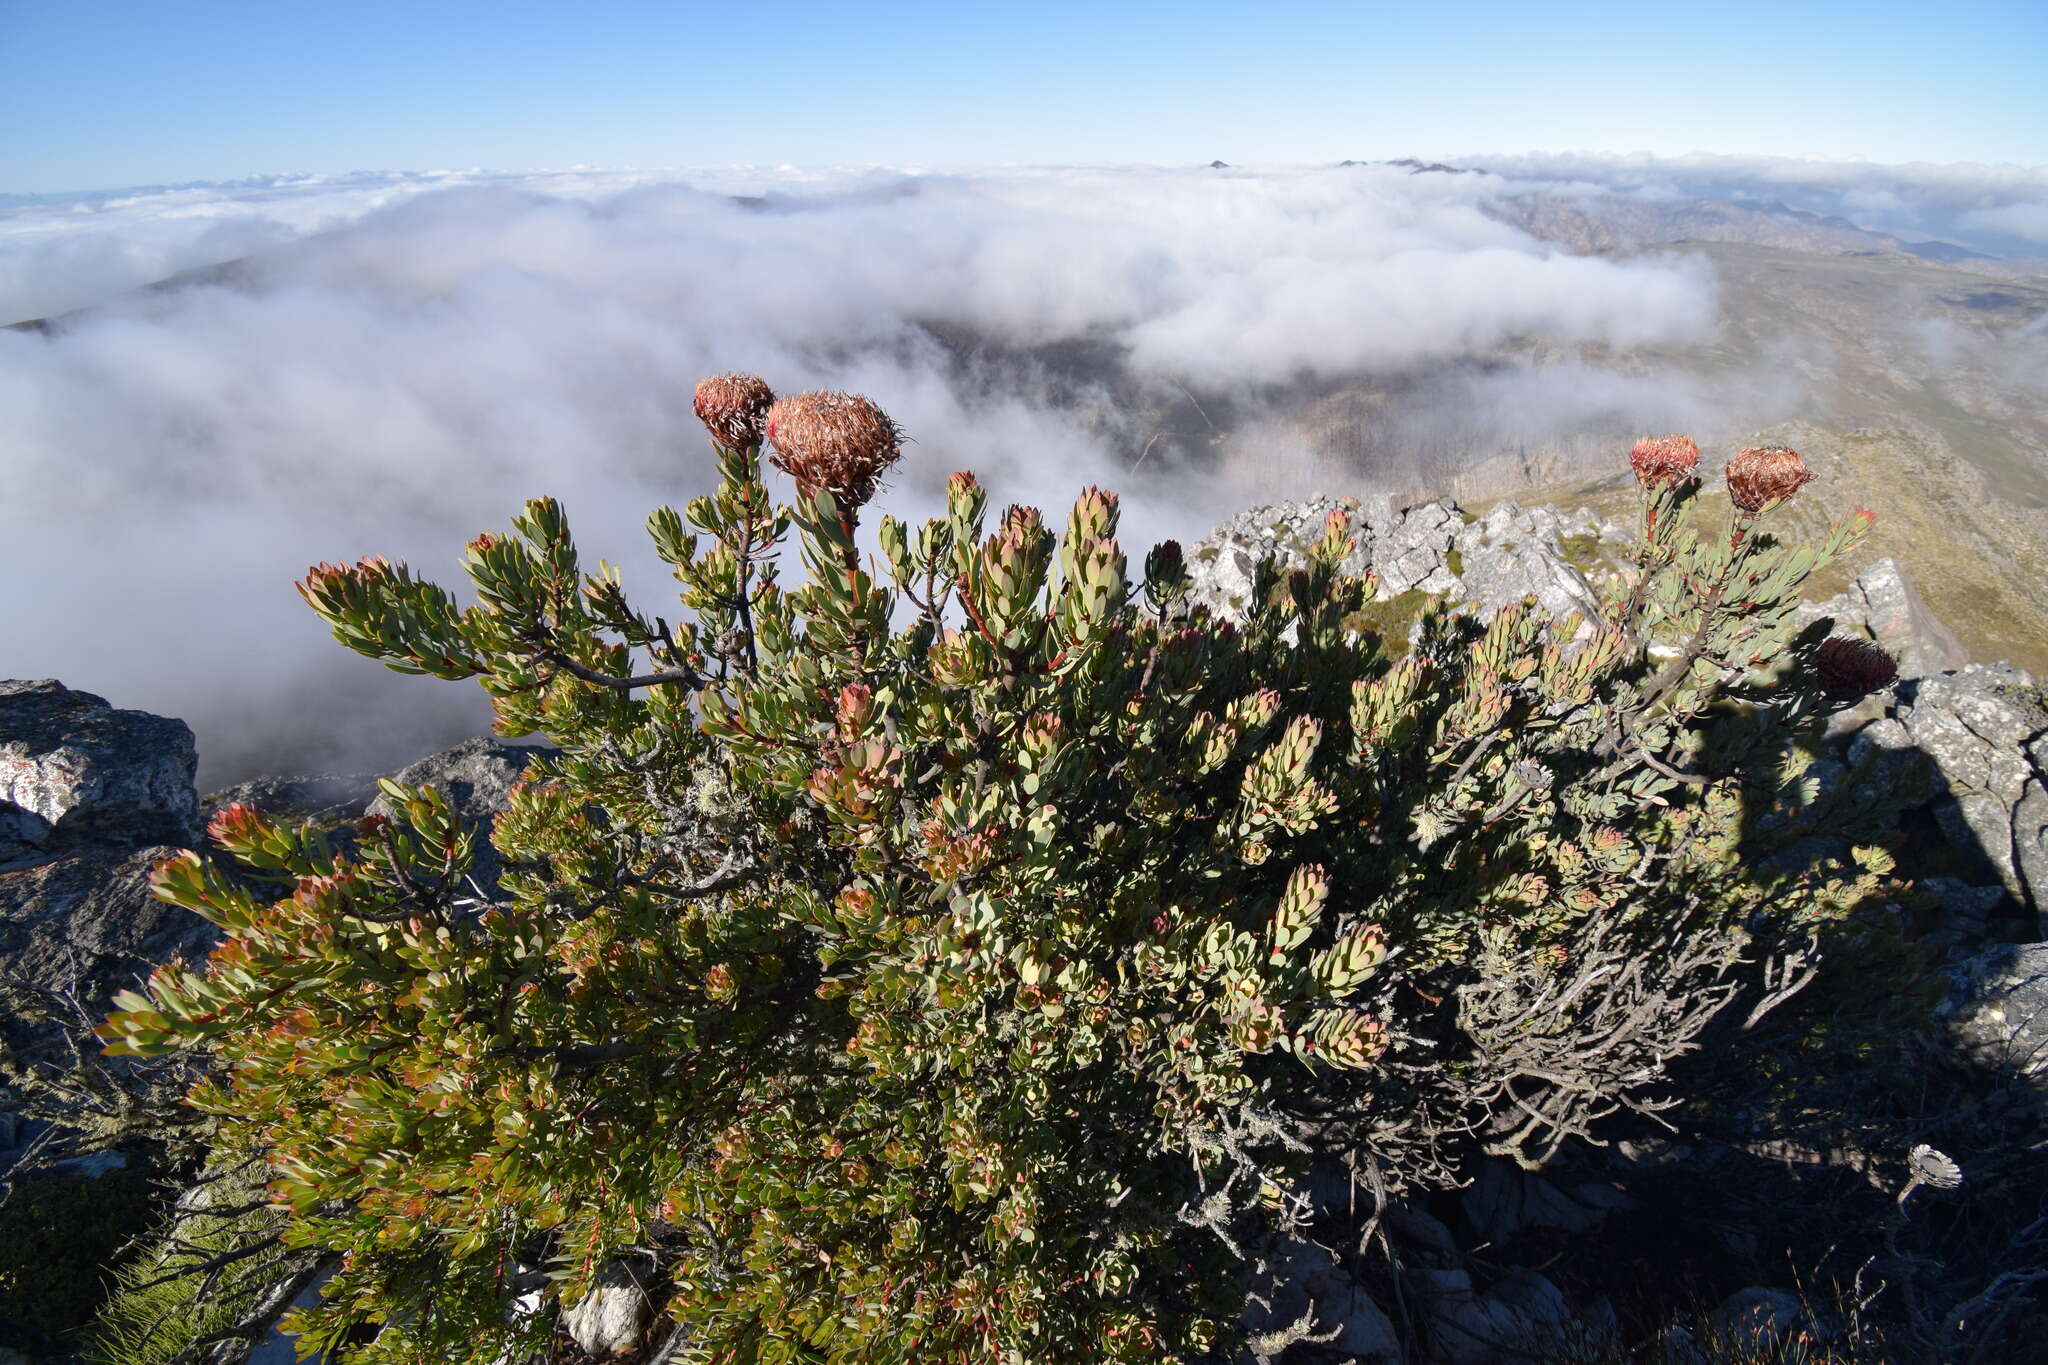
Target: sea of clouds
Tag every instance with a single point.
(390, 363)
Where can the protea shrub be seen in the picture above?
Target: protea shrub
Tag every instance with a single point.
(959, 955)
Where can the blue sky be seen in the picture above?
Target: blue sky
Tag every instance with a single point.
(96, 94)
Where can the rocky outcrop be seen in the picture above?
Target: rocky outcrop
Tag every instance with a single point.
(75, 772)
(1432, 548)
(1308, 1297)
(91, 798)
(324, 799)
(1998, 1009)
(1882, 605)
(476, 775)
(1985, 730)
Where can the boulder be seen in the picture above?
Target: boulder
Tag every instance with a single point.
(476, 776)
(1512, 553)
(1751, 1318)
(90, 925)
(75, 771)
(1503, 1200)
(325, 799)
(1523, 1317)
(610, 1318)
(1881, 604)
(1985, 727)
(1997, 1007)
(1311, 1298)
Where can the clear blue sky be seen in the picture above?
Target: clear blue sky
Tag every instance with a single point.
(96, 94)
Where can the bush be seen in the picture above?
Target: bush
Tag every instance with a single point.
(963, 962)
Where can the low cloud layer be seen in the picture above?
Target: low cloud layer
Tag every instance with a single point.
(2002, 210)
(397, 361)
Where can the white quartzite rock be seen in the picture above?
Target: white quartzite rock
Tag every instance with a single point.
(611, 1317)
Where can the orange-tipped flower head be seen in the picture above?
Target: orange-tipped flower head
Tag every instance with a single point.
(731, 407)
(1660, 460)
(1849, 668)
(1765, 474)
(840, 442)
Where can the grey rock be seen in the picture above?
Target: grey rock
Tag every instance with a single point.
(476, 775)
(1509, 554)
(1423, 1232)
(1983, 728)
(1756, 1316)
(1678, 1347)
(1310, 1297)
(1997, 1007)
(1504, 1199)
(73, 771)
(1882, 605)
(1512, 553)
(324, 799)
(610, 1318)
(2030, 845)
(89, 924)
(1522, 1318)
(93, 1166)
(1958, 899)
(276, 1348)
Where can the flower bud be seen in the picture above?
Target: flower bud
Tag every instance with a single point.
(838, 442)
(1660, 460)
(1849, 668)
(731, 407)
(1759, 475)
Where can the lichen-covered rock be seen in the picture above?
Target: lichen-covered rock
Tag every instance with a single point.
(1998, 1008)
(88, 924)
(1512, 553)
(477, 777)
(74, 770)
(1985, 727)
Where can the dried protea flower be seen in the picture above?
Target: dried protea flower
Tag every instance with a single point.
(1849, 668)
(731, 407)
(1660, 460)
(838, 442)
(1765, 474)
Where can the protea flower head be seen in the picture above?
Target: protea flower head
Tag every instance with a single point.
(1660, 460)
(732, 406)
(1849, 668)
(1765, 474)
(838, 442)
